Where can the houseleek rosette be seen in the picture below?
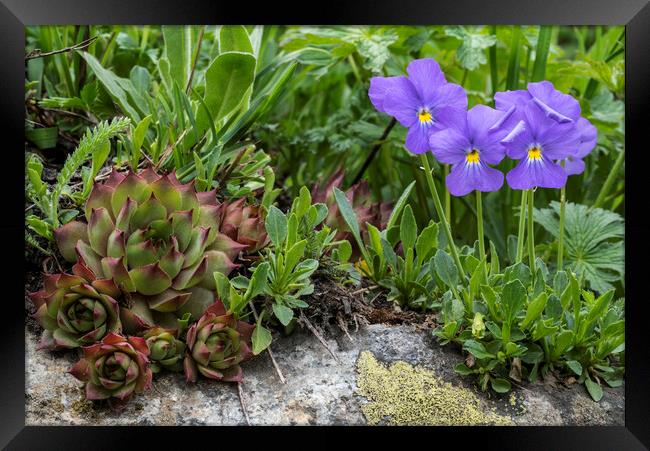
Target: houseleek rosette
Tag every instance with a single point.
(216, 345)
(166, 350)
(159, 240)
(76, 309)
(114, 369)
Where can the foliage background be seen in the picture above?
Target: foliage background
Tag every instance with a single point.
(307, 113)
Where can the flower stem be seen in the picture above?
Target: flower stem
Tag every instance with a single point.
(531, 236)
(522, 227)
(481, 239)
(441, 213)
(560, 243)
(447, 197)
(607, 186)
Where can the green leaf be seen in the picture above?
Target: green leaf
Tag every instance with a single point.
(535, 308)
(223, 286)
(595, 390)
(500, 385)
(303, 202)
(43, 137)
(476, 280)
(477, 349)
(574, 366)
(294, 254)
(261, 338)
(471, 53)
(399, 205)
(114, 85)
(283, 313)
(513, 298)
(276, 226)
(178, 52)
(445, 268)
(227, 79)
(258, 281)
(494, 260)
(345, 251)
(463, 369)
(408, 228)
(593, 242)
(234, 38)
(350, 218)
(140, 132)
(427, 241)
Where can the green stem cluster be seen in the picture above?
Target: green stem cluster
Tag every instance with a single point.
(522, 228)
(481, 239)
(441, 213)
(531, 236)
(560, 243)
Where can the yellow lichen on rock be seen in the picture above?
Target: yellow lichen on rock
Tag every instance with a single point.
(401, 394)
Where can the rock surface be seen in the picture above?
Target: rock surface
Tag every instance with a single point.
(318, 389)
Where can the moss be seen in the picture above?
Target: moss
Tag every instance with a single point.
(401, 394)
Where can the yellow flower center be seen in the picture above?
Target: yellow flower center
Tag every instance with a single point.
(424, 116)
(534, 153)
(473, 156)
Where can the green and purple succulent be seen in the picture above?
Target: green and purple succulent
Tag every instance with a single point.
(216, 345)
(76, 309)
(159, 240)
(114, 369)
(165, 349)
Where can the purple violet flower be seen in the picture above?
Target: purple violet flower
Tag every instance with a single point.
(556, 105)
(415, 101)
(539, 141)
(469, 142)
(573, 164)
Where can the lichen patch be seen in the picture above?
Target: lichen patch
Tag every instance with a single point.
(401, 394)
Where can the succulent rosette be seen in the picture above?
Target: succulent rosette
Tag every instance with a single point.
(158, 239)
(359, 197)
(165, 349)
(241, 229)
(76, 309)
(216, 345)
(114, 369)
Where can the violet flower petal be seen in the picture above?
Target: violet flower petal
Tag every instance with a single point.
(531, 173)
(425, 74)
(467, 177)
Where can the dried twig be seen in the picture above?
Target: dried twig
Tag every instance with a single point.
(196, 58)
(313, 330)
(268, 349)
(36, 53)
(344, 327)
(240, 391)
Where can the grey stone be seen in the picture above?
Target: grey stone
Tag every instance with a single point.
(318, 390)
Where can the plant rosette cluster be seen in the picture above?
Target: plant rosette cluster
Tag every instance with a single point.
(160, 241)
(166, 350)
(114, 369)
(216, 344)
(76, 309)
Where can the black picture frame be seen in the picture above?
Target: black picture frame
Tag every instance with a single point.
(634, 14)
